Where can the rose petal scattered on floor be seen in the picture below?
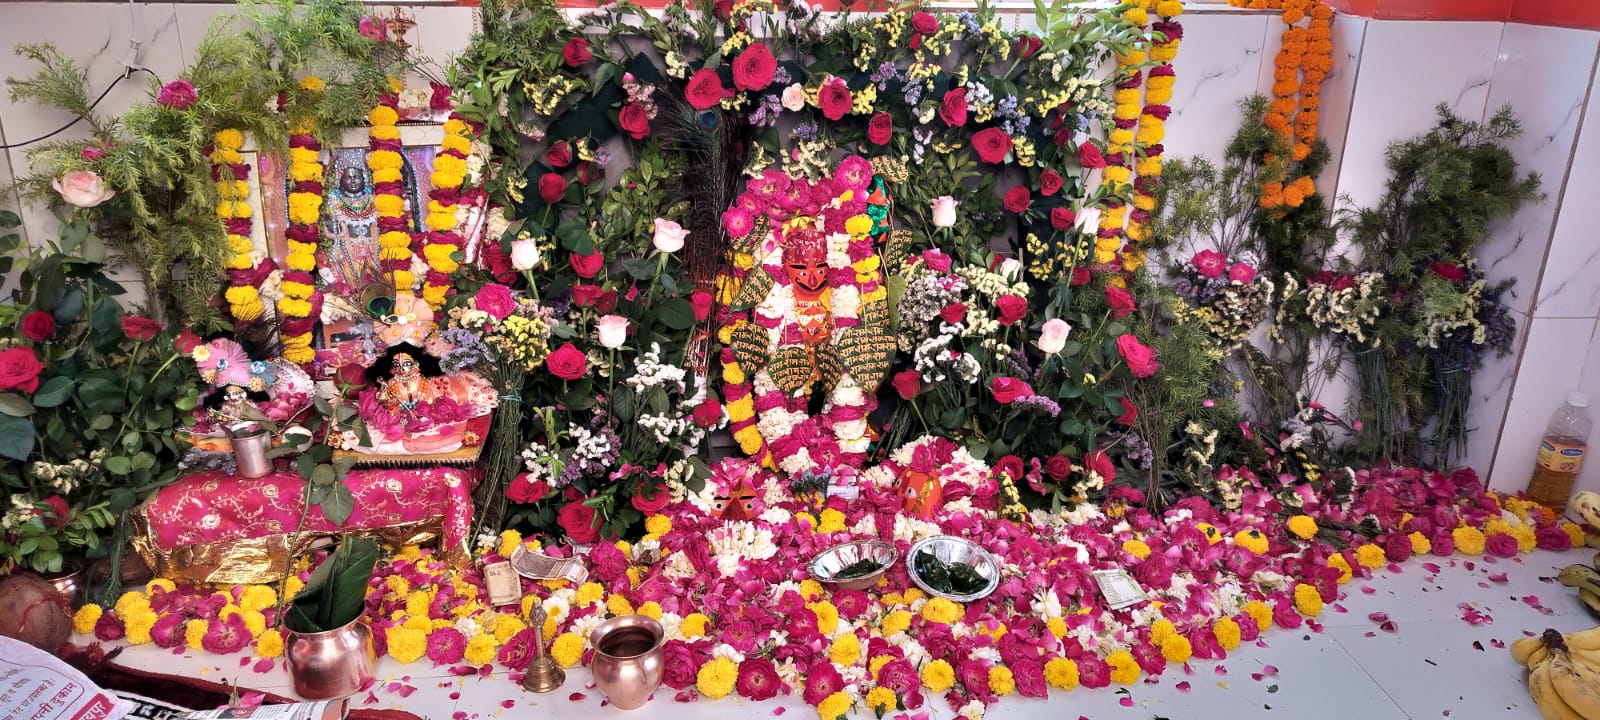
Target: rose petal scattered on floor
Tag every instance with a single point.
(508, 704)
(1183, 686)
(1126, 702)
(1368, 589)
(1499, 578)
(779, 710)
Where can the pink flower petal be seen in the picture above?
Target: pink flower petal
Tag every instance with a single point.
(1183, 686)
(1340, 609)
(244, 661)
(1368, 589)
(1431, 567)
(1126, 702)
(1271, 670)
(1221, 670)
(577, 696)
(779, 710)
(460, 715)
(1395, 568)
(262, 665)
(1531, 600)
(1387, 627)
(1378, 617)
(508, 704)
(1498, 578)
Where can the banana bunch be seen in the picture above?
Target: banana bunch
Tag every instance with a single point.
(1587, 581)
(1563, 673)
(1586, 505)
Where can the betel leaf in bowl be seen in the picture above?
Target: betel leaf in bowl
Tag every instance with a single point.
(953, 578)
(859, 568)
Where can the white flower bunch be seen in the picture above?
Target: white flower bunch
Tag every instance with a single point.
(650, 373)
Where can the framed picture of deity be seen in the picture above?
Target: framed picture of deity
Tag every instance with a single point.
(348, 272)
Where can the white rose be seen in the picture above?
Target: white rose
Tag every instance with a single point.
(944, 211)
(669, 236)
(613, 330)
(525, 254)
(794, 97)
(82, 188)
(1053, 336)
(1011, 268)
(1088, 220)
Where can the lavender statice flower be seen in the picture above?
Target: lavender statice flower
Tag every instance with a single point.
(768, 112)
(466, 350)
(913, 93)
(884, 74)
(1136, 449)
(807, 131)
(602, 157)
(781, 76)
(970, 21)
(1037, 402)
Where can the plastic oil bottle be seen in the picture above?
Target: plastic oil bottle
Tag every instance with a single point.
(1561, 453)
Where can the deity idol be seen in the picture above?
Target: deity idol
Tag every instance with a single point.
(350, 224)
(805, 263)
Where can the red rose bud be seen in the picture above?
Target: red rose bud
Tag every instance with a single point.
(186, 342)
(1130, 412)
(559, 155)
(576, 52)
(1089, 156)
(1027, 46)
(1007, 389)
(880, 129)
(352, 376)
(953, 313)
(91, 154)
(587, 266)
(1018, 199)
(701, 301)
(585, 295)
(908, 384)
(708, 413)
(60, 513)
(587, 172)
(551, 188)
(141, 329)
(39, 326)
(1049, 183)
(1062, 218)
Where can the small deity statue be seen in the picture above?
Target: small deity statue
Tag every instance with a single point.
(805, 262)
(404, 378)
(234, 404)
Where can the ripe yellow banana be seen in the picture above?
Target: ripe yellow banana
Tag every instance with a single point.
(1581, 640)
(1524, 648)
(1546, 698)
(1578, 687)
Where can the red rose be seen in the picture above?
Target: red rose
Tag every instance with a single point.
(567, 362)
(587, 266)
(991, 145)
(579, 522)
(708, 413)
(1010, 466)
(60, 513)
(576, 52)
(953, 110)
(1100, 464)
(186, 342)
(19, 370)
(880, 128)
(1028, 46)
(908, 384)
(525, 490)
(1008, 389)
(1210, 263)
(924, 23)
(1120, 300)
(635, 121)
(834, 99)
(1080, 276)
(1448, 271)
(1089, 156)
(704, 90)
(585, 295)
(141, 329)
(587, 173)
(351, 375)
(1049, 183)
(1018, 199)
(1130, 412)
(1140, 358)
(440, 99)
(953, 313)
(758, 679)
(1397, 548)
(653, 504)
(559, 155)
(1058, 467)
(700, 300)
(39, 326)
(1012, 309)
(754, 67)
(498, 261)
(1062, 218)
(551, 188)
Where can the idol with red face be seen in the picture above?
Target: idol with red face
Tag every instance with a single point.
(805, 261)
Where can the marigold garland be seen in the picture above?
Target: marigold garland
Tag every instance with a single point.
(1134, 151)
(388, 193)
(1299, 69)
(231, 175)
(441, 241)
(302, 301)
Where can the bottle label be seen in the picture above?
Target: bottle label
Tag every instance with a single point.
(1557, 456)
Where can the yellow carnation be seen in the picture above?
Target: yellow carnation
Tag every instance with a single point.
(716, 678)
(567, 650)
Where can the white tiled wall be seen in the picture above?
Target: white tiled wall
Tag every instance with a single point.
(1387, 78)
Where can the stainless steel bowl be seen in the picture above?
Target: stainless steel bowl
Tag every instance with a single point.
(953, 550)
(826, 566)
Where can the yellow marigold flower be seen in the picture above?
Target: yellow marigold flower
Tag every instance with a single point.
(292, 587)
(419, 623)
(1527, 539)
(694, 625)
(658, 524)
(912, 594)
(895, 623)
(1061, 673)
(588, 592)
(1370, 556)
(1259, 612)
(827, 616)
(1469, 540)
(881, 700)
(387, 175)
(404, 279)
(619, 605)
(1573, 530)
(507, 625)
(1169, 8)
(137, 626)
(382, 115)
(193, 632)
(810, 590)
(270, 644)
(1160, 630)
(716, 678)
(1421, 546)
(651, 609)
(834, 706)
(845, 650)
(1177, 649)
(456, 143)
(938, 676)
(384, 132)
(1251, 540)
(255, 622)
(1302, 526)
(1227, 633)
(312, 83)
(1057, 627)
(830, 521)
(228, 139)
(389, 205)
(942, 611)
(1124, 669)
(1136, 548)
(567, 650)
(1307, 600)
(83, 621)
(258, 597)
(1347, 572)
(1001, 680)
(481, 649)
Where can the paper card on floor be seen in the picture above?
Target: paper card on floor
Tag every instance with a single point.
(1119, 588)
(324, 710)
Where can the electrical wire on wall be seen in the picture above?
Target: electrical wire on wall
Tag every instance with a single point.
(130, 65)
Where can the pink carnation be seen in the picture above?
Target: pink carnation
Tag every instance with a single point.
(446, 646)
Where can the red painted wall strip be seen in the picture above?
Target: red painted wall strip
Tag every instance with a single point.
(1583, 14)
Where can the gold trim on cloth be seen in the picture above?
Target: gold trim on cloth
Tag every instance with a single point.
(263, 560)
(464, 456)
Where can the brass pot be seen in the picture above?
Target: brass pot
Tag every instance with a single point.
(333, 663)
(627, 664)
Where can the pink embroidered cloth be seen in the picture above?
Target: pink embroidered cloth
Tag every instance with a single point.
(214, 507)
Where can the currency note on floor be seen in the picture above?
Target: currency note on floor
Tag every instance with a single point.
(539, 566)
(1119, 588)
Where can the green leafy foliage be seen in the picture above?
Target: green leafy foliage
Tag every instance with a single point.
(336, 594)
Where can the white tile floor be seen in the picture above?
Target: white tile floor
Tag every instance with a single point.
(1443, 656)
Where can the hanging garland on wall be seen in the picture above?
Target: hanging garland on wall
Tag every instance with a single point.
(388, 193)
(1299, 70)
(302, 301)
(441, 240)
(231, 174)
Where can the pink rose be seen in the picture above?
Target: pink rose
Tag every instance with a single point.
(82, 188)
(1053, 336)
(1501, 545)
(658, 499)
(373, 28)
(1140, 358)
(1210, 263)
(497, 300)
(758, 679)
(1241, 273)
(178, 94)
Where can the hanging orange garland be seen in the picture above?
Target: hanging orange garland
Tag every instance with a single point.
(1299, 70)
(388, 193)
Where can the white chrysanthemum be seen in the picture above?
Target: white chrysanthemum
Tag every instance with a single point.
(737, 542)
(1048, 605)
(585, 625)
(850, 429)
(915, 653)
(1083, 513)
(678, 567)
(789, 673)
(796, 463)
(878, 476)
(556, 606)
(910, 529)
(777, 305)
(468, 628)
(846, 302)
(973, 710)
(867, 526)
(776, 516)
(849, 394)
(838, 260)
(672, 626)
(1268, 580)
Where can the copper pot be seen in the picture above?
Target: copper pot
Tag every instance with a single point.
(627, 664)
(333, 663)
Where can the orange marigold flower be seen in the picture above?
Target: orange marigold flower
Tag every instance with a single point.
(1292, 197)
(1301, 151)
(1276, 121)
